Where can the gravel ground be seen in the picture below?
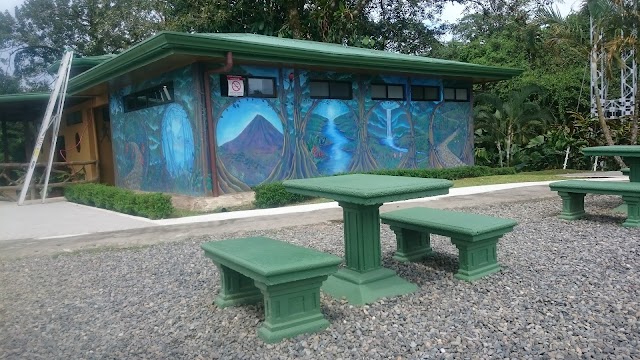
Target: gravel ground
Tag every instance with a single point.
(567, 290)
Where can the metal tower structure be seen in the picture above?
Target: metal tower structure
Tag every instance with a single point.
(624, 105)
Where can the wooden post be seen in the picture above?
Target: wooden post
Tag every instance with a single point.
(5, 141)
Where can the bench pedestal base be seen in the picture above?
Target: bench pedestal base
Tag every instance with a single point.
(412, 245)
(572, 205)
(573, 208)
(477, 259)
(367, 287)
(236, 289)
(291, 309)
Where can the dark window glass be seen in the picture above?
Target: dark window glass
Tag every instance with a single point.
(157, 95)
(340, 90)
(330, 90)
(425, 93)
(319, 89)
(378, 91)
(261, 87)
(456, 94)
(387, 92)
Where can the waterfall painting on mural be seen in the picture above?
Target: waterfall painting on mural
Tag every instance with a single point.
(389, 131)
(329, 136)
(250, 137)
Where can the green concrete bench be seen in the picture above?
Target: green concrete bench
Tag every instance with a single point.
(287, 277)
(573, 192)
(475, 236)
(625, 171)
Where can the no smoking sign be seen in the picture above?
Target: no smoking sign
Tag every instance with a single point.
(235, 85)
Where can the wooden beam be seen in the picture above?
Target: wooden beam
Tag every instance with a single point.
(5, 141)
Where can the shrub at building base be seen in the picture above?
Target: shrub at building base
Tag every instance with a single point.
(152, 205)
(274, 195)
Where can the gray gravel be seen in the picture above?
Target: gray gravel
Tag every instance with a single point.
(567, 290)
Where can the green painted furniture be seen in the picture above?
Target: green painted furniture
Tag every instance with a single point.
(629, 153)
(573, 192)
(625, 171)
(287, 277)
(475, 236)
(364, 280)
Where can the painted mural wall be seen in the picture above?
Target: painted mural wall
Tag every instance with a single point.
(294, 136)
(160, 148)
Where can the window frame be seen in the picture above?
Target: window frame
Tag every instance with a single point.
(387, 98)
(330, 96)
(147, 93)
(455, 94)
(422, 88)
(246, 86)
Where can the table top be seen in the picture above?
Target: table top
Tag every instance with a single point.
(613, 150)
(365, 189)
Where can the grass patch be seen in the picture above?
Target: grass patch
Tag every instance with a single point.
(533, 176)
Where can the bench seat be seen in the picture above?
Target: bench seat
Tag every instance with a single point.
(475, 236)
(573, 192)
(625, 171)
(286, 277)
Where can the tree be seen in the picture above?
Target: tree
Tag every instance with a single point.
(42, 30)
(617, 21)
(381, 24)
(511, 122)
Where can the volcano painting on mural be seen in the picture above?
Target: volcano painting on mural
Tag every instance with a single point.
(250, 139)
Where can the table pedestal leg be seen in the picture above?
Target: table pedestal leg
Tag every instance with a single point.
(364, 280)
(634, 169)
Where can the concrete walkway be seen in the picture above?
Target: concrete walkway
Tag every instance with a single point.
(61, 226)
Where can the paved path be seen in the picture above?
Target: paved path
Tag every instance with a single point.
(61, 226)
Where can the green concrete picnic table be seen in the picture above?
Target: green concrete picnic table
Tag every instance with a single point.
(629, 153)
(364, 280)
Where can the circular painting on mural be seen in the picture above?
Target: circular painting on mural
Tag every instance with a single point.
(389, 134)
(329, 135)
(177, 141)
(249, 138)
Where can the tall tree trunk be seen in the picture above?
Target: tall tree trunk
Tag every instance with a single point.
(362, 158)
(499, 153)
(409, 160)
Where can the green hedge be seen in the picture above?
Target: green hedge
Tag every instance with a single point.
(151, 205)
(274, 194)
(461, 172)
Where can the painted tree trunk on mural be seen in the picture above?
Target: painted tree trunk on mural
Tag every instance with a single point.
(409, 160)
(296, 160)
(226, 182)
(433, 154)
(362, 159)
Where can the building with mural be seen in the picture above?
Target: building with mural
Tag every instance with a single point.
(214, 114)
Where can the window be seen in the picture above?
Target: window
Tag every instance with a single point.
(330, 90)
(387, 92)
(157, 95)
(261, 87)
(456, 94)
(425, 93)
(253, 86)
(74, 118)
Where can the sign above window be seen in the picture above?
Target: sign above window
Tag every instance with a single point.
(235, 85)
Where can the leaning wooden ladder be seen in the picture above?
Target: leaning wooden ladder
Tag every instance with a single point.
(56, 103)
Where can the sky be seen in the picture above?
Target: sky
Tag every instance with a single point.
(451, 12)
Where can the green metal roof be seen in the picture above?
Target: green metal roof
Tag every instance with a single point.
(23, 97)
(260, 48)
(83, 62)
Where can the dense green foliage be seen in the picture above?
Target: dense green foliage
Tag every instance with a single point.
(150, 205)
(274, 194)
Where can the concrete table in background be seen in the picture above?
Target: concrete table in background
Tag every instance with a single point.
(364, 280)
(629, 153)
